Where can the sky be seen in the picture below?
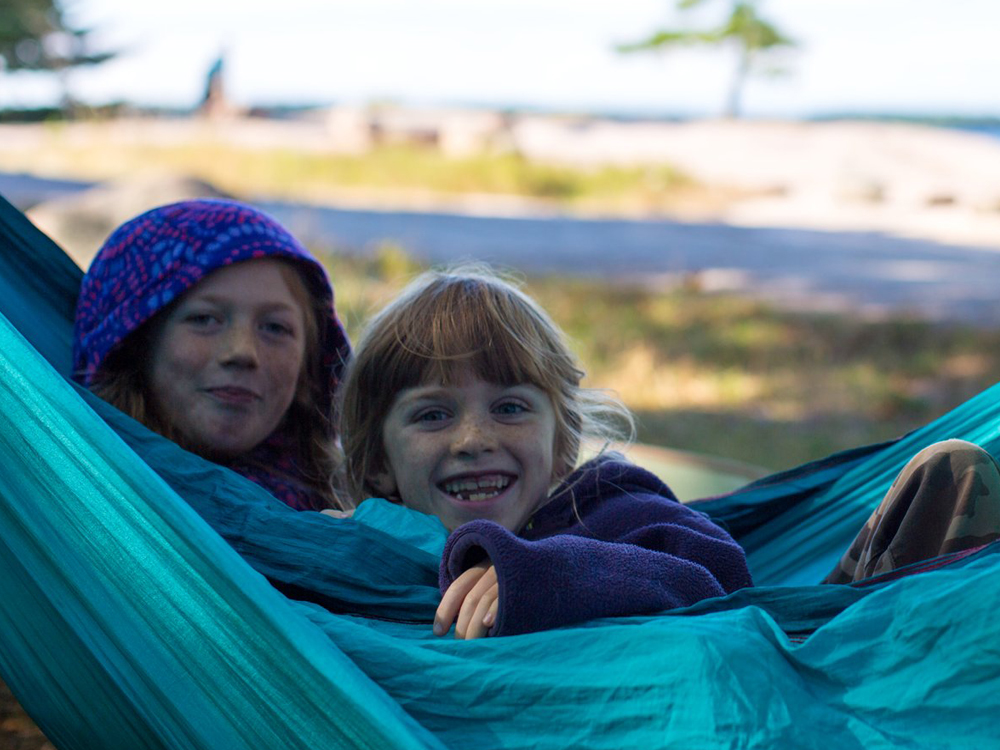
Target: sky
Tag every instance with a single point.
(930, 57)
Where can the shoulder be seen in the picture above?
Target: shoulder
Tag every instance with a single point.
(611, 474)
(602, 486)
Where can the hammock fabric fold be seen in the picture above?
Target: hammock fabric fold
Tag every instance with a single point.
(141, 600)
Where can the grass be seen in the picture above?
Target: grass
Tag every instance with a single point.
(732, 377)
(398, 171)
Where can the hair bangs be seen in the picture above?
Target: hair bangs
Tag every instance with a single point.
(479, 325)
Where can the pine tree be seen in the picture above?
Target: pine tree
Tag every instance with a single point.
(744, 27)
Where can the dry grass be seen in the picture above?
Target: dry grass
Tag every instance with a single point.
(394, 174)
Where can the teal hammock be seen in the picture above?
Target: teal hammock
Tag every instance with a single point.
(151, 599)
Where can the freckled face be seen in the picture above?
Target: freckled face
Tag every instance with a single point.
(470, 450)
(226, 362)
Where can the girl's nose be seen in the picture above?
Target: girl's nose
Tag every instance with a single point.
(239, 346)
(473, 436)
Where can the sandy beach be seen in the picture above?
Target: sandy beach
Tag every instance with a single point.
(908, 180)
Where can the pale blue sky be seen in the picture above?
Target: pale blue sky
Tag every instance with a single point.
(927, 56)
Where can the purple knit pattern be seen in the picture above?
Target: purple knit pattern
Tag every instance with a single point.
(151, 260)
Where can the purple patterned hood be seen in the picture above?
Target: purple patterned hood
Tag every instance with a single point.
(151, 260)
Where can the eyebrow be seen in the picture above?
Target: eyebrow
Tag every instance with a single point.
(431, 392)
(421, 393)
(212, 299)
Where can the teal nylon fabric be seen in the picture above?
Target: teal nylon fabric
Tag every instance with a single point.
(147, 628)
(134, 612)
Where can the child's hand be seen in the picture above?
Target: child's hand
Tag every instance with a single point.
(474, 597)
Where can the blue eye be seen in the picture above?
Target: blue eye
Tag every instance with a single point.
(509, 408)
(431, 415)
(277, 329)
(200, 319)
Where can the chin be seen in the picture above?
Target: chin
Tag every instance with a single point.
(223, 450)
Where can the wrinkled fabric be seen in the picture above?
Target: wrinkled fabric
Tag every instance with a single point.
(135, 612)
(128, 623)
(152, 260)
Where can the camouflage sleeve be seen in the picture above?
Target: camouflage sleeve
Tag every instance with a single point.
(946, 499)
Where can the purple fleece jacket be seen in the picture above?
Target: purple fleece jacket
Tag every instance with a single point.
(628, 548)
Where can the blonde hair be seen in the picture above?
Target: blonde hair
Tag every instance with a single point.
(466, 316)
(122, 382)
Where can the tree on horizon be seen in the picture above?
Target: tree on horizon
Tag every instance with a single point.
(744, 28)
(35, 36)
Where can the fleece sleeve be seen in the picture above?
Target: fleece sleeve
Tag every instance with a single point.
(669, 556)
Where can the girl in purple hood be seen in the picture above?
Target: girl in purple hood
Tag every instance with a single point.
(208, 322)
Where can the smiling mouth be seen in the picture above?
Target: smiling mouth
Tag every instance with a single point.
(472, 490)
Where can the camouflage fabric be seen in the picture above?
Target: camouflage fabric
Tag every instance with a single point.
(946, 499)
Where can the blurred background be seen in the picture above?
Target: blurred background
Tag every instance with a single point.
(772, 227)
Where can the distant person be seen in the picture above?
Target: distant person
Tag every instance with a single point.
(214, 102)
(209, 323)
(464, 402)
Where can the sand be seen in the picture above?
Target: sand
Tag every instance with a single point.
(907, 180)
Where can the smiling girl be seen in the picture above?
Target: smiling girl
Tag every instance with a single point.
(209, 323)
(464, 402)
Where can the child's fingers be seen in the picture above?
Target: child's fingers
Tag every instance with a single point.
(453, 598)
(491, 615)
(467, 611)
(477, 627)
(476, 605)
